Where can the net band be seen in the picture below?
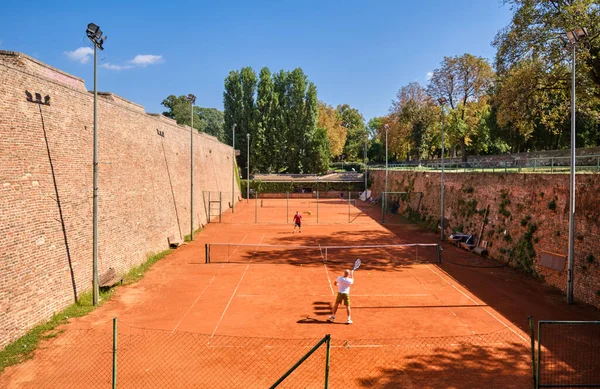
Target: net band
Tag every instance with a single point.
(272, 253)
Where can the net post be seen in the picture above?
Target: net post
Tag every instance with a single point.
(532, 336)
(114, 352)
(206, 253)
(327, 360)
(439, 254)
(325, 254)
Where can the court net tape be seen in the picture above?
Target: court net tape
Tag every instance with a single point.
(371, 255)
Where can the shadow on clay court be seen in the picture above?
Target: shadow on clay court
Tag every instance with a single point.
(313, 320)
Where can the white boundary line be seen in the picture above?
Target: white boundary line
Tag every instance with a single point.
(234, 291)
(191, 306)
(326, 270)
(354, 295)
(467, 296)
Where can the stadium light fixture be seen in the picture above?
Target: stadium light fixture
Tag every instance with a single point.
(94, 33)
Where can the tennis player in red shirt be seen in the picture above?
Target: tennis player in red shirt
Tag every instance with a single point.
(297, 222)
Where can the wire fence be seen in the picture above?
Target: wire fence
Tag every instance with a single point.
(568, 354)
(142, 358)
(588, 164)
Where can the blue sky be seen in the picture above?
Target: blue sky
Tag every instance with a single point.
(357, 52)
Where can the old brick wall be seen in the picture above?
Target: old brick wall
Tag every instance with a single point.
(528, 214)
(46, 188)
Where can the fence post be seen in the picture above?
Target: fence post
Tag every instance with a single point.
(349, 201)
(114, 367)
(598, 164)
(317, 202)
(287, 207)
(256, 207)
(534, 164)
(220, 207)
(209, 208)
(532, 335)
(327, 359)
(537, 374)
(383, 196)
(552, 165)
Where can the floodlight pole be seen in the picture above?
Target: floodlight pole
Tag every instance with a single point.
(233, 171)
(192, 99)
(442, 195)
(95, 281)
(572, 194)
(365, 163)
(248, 168)
(95, 35)
(386, 158)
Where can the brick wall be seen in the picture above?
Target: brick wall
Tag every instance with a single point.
(46, 188)
(528, 214)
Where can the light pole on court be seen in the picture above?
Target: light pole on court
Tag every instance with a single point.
(192, 99)
(94, 33)
(442, 101)
(233, 170)
(574, 37)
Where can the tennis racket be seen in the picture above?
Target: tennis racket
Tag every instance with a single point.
(356, 264)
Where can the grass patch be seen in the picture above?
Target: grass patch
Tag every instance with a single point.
(23, 348)
(136, 273)
(187, 238)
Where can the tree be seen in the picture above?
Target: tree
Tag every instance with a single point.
(533, 95)
(415, 115)
(329, 119)
(462, 80)
(356, 135)
(232, 103)
(214, 120)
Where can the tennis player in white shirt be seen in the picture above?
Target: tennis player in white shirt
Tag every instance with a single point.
(343, 283)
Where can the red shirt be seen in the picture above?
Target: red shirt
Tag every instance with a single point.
(297, 219)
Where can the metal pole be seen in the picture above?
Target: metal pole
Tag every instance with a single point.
(192, 173)
(572, 195)
(365, 163)
(248, 169)
(233, 171)
(386, 158)
(317, 199)
(327, 360)
(95, 284)
(442, 199)
(114, 369)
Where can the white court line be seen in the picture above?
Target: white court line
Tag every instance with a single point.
(235, 290)
(354, 295)
(229, 257)
(326, 270)
(191, 306)
(467, 296)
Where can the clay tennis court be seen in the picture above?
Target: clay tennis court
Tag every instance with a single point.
(245, 318)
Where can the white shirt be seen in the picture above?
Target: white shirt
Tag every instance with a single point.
(344, 284)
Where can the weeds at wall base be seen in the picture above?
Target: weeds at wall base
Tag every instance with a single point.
(23, 348)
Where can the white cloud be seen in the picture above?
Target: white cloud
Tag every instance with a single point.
(429, 75)
(110, 66)
(81, 55)
(146, 59)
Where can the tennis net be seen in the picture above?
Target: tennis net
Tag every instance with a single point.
(389, 255)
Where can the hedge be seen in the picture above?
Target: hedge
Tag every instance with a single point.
(282, 187)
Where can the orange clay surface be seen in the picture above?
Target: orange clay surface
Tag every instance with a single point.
(191, 324)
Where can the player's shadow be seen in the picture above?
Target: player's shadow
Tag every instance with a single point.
(314, 320)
